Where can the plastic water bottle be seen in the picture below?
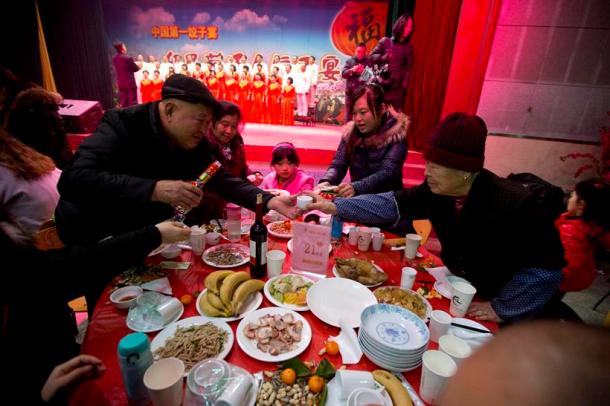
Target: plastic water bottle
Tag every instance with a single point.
(134, 359)
(336, 230)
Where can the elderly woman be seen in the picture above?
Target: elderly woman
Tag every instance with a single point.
(489, 227)
(373, 147)
(227, 146)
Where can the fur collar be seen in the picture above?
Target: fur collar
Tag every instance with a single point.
(394, 126)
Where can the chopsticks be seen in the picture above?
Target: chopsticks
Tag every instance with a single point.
(478, 330)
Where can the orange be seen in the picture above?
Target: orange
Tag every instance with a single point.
(332, 348)
(186, 299)
(288, 376)
(316, 384)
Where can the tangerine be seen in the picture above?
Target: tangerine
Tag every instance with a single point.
(186, 299)
(316, 384)
(332, 348)
(288, 376)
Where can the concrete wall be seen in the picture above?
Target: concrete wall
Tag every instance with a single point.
(504, 155)
(549, 69)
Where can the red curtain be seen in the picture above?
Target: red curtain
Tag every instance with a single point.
(433, 37)
(474, 39)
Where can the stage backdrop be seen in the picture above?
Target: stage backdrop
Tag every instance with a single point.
(326, 29)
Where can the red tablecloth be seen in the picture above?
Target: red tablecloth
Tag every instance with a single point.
(107, 325)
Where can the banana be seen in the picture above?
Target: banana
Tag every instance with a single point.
(215, 301)
(213, 280)
(243, 292)
(210, 310)
(229, 284)
(398, 393)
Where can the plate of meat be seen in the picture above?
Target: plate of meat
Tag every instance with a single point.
(280, 229)
(273, 334)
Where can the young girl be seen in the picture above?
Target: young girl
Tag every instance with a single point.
(286, 174)
(584, 227)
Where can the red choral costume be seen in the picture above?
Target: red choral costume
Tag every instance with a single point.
(274, 107)
(258, 102)
(288, 94)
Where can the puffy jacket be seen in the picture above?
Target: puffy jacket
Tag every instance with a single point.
(376, 165)
(579, 243)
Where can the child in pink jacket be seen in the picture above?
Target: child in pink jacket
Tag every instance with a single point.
(286, 174)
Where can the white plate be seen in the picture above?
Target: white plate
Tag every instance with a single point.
(289, 246)
(169, 331)
(443, 289)
(334, 392)
(368, 286)
(252, 304)
(176, 317)
(273, 233)
(249, 345)
(278, 192)
(473, 338)
(332, 298)
(276, 302)
(243, 250)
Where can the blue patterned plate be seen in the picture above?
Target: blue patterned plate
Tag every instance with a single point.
(394, 327)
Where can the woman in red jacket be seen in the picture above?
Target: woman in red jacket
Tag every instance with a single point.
(583, 228)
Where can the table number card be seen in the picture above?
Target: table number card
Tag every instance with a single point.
(310, 248)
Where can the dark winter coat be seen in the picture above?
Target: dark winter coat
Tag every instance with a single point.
(377, 160)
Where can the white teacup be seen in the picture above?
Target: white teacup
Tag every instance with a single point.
(163, 379)
(462, 294)
(365, 397)
(455, 347)
(303, 201)
(197, 240)
(235, 391)
(440, 322)
(437, 368)
(212, 238)
(348, 381)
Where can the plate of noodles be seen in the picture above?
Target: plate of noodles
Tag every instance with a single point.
(193, 339)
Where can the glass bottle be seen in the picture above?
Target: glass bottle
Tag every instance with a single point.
(258, 242)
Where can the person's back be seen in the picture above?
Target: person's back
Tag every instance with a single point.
(125, 67)
(28, 189)
(539, 363)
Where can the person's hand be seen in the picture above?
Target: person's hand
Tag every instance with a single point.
(323, 185)
(256, 178)
(285, 205)
(346, 190)
(320, 203)
(483, 311)
(75, 370)
(173, 231)
(177, 193)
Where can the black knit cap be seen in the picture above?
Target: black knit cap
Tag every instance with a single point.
(458, 143)
(190, 90)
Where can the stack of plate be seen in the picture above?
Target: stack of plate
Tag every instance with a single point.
(393, 337)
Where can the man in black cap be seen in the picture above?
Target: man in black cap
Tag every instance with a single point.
(139, 163)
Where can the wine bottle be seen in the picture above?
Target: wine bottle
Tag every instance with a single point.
(258, 242)
(179, 211)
